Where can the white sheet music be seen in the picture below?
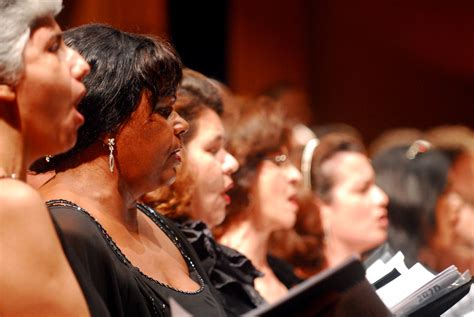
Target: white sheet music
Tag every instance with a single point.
(379, 269)
(401, 287)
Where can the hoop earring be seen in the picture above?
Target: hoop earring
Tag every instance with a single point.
(111, 143)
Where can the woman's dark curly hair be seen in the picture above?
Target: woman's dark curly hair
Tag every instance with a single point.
(256, 128)
(123, 67)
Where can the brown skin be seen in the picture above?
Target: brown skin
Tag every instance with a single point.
(33, 268)
(145, 159)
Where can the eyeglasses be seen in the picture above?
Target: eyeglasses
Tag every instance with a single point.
(279, 159)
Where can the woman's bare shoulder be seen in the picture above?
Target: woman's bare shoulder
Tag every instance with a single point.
(34, 268)
(15, 193)
(21, 204)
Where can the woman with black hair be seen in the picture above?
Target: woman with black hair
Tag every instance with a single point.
(419, 183)
(130, 144)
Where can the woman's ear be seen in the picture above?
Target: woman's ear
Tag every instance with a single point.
(7, 93)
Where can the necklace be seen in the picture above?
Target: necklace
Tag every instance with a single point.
(11, 176)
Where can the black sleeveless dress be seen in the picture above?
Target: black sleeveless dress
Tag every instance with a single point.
(95, 303)
(122, 287)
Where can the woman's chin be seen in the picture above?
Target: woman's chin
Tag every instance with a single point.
(287, 222)
(167, 177)
(216, 218)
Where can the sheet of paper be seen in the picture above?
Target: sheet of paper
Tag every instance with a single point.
(379, 269)
(394, 292)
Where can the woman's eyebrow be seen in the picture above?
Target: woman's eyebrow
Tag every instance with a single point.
(217, 138)
(56, 37)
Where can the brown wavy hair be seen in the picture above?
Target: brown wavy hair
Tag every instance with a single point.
(256, 128)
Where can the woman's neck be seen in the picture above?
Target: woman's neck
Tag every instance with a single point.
(337, 252)
(249, 240)
(92, 186)
(13, 160)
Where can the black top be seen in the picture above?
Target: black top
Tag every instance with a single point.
(283, 271)
(94, 302)
(125, 290)
(231, 273)
(340, 291)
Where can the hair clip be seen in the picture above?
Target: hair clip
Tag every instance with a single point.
(419, 146)
(306, 160)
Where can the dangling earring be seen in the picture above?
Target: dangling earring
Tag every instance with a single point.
(48, 158)
(111, 143)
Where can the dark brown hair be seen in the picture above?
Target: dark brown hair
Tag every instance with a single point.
(330, 145)
(256, 128)
(195, 93)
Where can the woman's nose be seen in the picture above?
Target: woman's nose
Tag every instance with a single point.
(180, 125)
(381, 198)
(294, 174)
(230, 164)
(78, 65)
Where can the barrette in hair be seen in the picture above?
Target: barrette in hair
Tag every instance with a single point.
(417, 147)
(306, 160)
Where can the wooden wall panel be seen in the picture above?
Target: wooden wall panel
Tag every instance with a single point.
(369, 63)
(144, 16)
(269, 41)
(386, 64)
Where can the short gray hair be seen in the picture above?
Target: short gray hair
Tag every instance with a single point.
(18, 17)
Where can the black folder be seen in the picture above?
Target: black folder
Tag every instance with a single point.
(444, 303)
(339, 291)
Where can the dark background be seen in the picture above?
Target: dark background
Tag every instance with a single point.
(372, 64)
